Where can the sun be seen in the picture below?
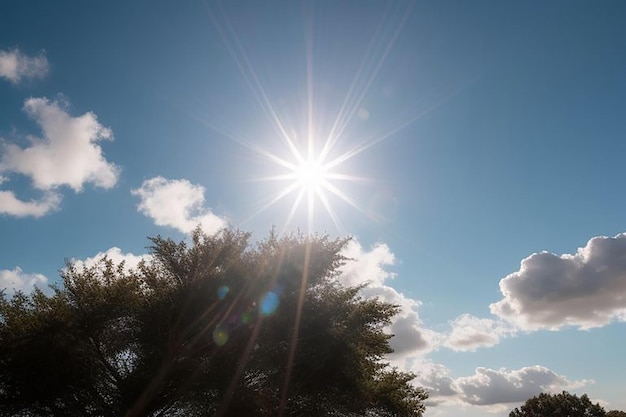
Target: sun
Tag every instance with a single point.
(311, 175)
(310, 136)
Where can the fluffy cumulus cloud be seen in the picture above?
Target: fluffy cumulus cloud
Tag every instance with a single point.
(437, 380)
(585, 289)
(15, 66)
(13, 206)
(18, 280)
(67, 154)
(178, 204)
(470, 333)
(492, 387)
(367, 266)
(489, 388)
(363, 266)
(116, 255)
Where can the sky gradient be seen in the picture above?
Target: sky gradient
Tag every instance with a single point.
(473, 150)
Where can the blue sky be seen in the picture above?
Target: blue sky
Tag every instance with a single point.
(464, 138)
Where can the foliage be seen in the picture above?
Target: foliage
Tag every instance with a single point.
(616, 413)
(559, 405)
(215, 328)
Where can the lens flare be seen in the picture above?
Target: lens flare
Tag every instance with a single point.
(222, 292)
(220, 336)
(269, 303)
(245, 318)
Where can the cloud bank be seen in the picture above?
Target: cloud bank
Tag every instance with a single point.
(586, 289)
(178, 204)
(15, 66)
(490, 387)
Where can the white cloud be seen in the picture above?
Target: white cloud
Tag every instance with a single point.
(369, 267)
(492, 390)
(178, 204)
(366, 267)
(492, 387)
(131, 261)
(585, 289)
(14, 66)
(470, 333)
(437, 380)
(17, 280)
(11, 205)
(67, 154)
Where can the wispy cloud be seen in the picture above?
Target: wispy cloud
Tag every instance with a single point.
(178, 204)
(18, 280)
(15, 66)
(585, 289)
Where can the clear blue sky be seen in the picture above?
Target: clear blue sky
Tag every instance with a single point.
(463, 138)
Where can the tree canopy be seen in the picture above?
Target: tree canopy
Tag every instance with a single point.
(216, 327)
(559, 405)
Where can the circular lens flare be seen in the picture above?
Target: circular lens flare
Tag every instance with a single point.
(269, 303)
(220, 336)
(222, 292)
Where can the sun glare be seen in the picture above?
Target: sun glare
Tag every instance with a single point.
(310, 175)
(311, 156)
(310, 179)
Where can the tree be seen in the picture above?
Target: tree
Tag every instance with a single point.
(214, 328)
(559, 405)
(616, 413)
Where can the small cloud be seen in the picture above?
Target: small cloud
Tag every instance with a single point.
(366, 266)
(15, 66)
(586, 289)
(16, 280)
(470, 333)
(178, 204)
(131, 261)
(11, 205)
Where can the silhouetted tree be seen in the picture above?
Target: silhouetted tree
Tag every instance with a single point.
(616, 413)
(215, 328)
(559, 405)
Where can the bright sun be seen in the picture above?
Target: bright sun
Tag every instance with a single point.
(311, 140)
(310, 175)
